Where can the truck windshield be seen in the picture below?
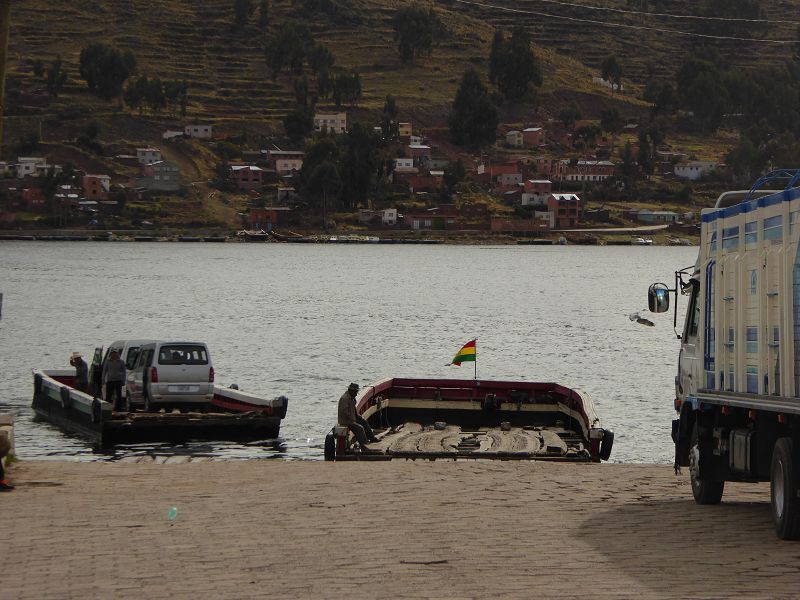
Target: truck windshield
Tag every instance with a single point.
(692, 312)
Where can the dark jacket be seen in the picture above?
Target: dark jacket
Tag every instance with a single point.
(81, 373)
(347, 409)
(114, 370)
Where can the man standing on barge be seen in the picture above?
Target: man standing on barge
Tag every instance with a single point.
(114, 377)
(348, 417)
(81, 371)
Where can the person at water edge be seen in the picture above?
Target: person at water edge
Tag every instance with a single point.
(348, 417)
(81, 371)
(114, 377)
(5, 448)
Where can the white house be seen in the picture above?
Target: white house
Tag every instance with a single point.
(286, 161)
(171, 134)
(147, 156)
(536, 192)
(387, 216)
(200, 132)
(30, 165)
(514, 139)
(335, 122)
(404, 164)
(693, 169)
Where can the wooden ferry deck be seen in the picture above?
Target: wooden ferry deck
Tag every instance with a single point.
(414, 440)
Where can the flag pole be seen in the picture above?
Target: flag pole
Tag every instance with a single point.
(476, 359)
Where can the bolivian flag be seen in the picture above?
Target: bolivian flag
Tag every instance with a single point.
(466, 354)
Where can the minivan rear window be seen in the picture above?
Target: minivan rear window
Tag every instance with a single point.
(133, 354)
(182, 354)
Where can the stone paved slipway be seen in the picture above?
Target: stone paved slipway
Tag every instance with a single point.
(269, 529)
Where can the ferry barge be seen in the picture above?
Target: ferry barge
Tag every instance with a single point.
(231, 415)
(474, 419)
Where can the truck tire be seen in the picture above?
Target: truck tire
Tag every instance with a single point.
(783, 491)
(705, 491)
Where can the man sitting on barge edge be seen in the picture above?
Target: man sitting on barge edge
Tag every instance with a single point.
(348, 417)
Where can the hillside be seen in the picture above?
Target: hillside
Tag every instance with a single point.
(229, 83)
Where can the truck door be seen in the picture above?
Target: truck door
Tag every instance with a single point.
(688, 380)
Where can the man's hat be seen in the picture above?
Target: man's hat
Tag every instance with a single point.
(353, 386)
(75, 355)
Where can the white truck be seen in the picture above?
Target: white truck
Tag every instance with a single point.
(738, 382)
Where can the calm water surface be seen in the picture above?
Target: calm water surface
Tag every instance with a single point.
(305, 320)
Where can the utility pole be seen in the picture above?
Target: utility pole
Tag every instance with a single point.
(5, 22)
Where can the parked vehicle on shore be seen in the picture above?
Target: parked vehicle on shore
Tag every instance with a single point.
(738, 383)
(169, 373)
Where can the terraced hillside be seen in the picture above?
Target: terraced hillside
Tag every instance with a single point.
(230, 84)
(562, 27)
(226, 70)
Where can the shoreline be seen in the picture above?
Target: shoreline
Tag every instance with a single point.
(579, 238)
(403, 529)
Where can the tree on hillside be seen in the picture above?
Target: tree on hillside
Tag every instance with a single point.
(320, 59)
(513, 65)
(299, 123)
(242, 11)
(38, 68)
(347, 88)
(473, 117)
(288, 48)
(496, 55)
(56, 77)
(135, 92)
(263, 14)
(106, 68)
(416, 31)
(359, 165)
(390, 126)
(154, 95)
(611, 121)
(320, 181)
(611, 71)
(177, 97)
(569, 115)
(454, 173)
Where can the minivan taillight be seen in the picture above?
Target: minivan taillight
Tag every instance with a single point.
(211, 375)
(153, 375)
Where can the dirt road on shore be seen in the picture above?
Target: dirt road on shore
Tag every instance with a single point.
(276, 529)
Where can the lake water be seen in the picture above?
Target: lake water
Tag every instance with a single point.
(305, 320)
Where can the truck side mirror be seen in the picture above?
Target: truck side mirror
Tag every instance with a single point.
(658, 298)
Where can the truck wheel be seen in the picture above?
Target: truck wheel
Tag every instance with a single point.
(705, 491)
(783, 491)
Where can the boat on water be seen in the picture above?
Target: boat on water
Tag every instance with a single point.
(473, 418)
(254, 236)
(230, 415)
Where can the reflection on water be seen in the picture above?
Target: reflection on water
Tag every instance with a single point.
(305, 320)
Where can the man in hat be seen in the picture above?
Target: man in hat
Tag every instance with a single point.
(5, 448)
(81, 371)
(348, 417)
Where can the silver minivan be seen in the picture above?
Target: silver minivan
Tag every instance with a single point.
(168, 373)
